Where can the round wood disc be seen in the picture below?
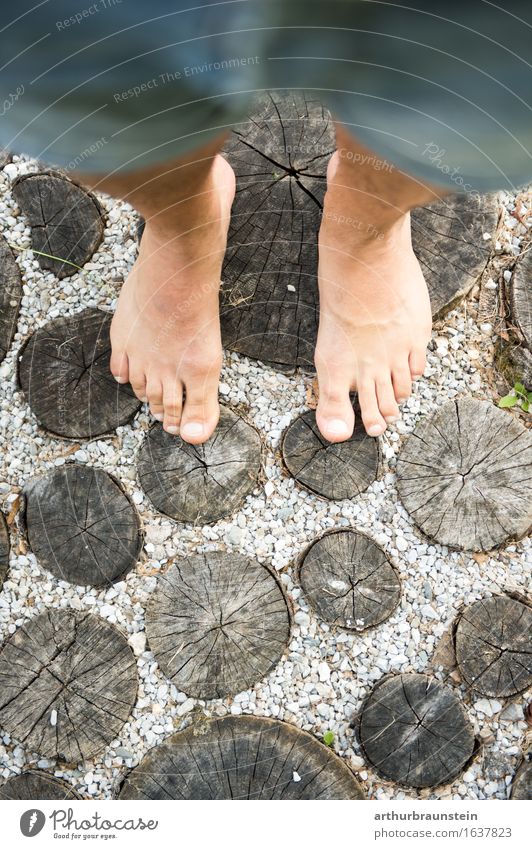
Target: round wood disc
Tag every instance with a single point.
(522, 783)
(332, 470)
(269, 291)
(4, 549)
(10, 296)
(241, 757)
(81, 526)
(464, 475)
(494, 646)
(68, 683)
(447, 238)
(65, 376)
(201, 483)
(217, 623)
(66, 220)
(349, 581)
(35, 784)
(521, 298)
(415, 731)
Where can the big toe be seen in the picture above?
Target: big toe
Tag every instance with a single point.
(334, 415)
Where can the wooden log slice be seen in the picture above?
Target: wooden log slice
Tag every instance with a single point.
(447, 238)
(464, 475)
(522, 782)
(36, 784)
(521, 298)
(68, 682)
(269, 296)
(331, 470)
(66, 220)
(241, 757)
(494, 646)
(201, 483)
(217, 623)
(349, 581)
(10, 296)
(5, 157)
(414, 731)
(4, 549)
(64, 374)
(81, 525)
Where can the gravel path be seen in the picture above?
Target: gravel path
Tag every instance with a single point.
(321, 684)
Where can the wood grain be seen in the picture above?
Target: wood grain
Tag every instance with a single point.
(4, 549)
(522, 782)
(36, 784)
(64, 373)
(464, 475)
(217, 623)
(72, 667)
(81, 526)
(241, 758)
(10, 296)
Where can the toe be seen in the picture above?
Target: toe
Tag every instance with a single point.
(386, 399)
(172, 404)
(417, 362)
(154, 391)
(137, 379)
(201, 411)
(402, 382)
(371, 416)
(334, 415)
(119, 365)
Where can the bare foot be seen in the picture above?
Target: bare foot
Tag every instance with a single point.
(375, 317)
(165, 334)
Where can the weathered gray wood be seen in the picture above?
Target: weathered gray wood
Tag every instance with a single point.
(65, 376)
(81, 525)
(521, 298)
(36, 784)
(201, 483)
(447, 238)
(66, 220)
(71, 667)
(349, 581)
(241, 758)
(522, 782)
(217, 623)
(332, 470)
(5, 157)
(4, 549)
(464, 475)
(493, 645)
(10, 296)
(280, 158)
(414, 730)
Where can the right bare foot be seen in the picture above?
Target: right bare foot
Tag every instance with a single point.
(165, 334)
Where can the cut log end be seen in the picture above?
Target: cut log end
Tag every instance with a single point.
(4, 549)
(10, 296)
(34, 785)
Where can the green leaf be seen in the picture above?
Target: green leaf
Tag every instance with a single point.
(508, 401)
(529, 397)
(525, 406)
(328, 738)
(519, 388)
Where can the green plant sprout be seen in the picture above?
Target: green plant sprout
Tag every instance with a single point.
(519, 396)
(328, 738)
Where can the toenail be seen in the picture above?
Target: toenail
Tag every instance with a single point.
(143, 399)
(158, 416)
(391, 419)
(193, 429)
(120, 379)
(402, 400)
(337, 427)
(375, 430)
(172, 429)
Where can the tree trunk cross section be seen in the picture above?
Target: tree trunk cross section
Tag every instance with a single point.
(331, 470)
(464, 475)
(269, 294)
(64, 374)
(81, 526)
(494, 646)
(217, 623)
(68, 683)
(10, 296)
(241, 758)
(201, 483)
(349, 581)
(66, 220)
(35, 784)
(4, 549)
(414, 731)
